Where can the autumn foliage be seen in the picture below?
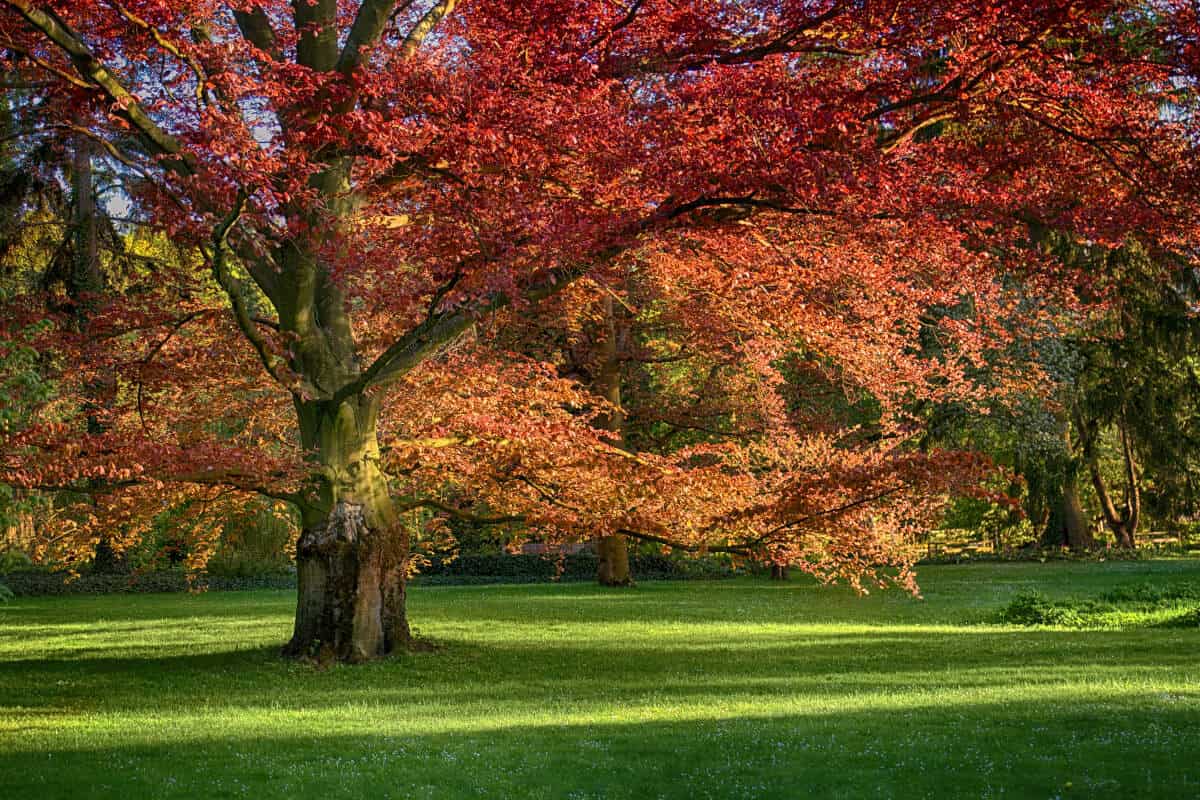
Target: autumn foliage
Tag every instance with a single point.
(399, 223)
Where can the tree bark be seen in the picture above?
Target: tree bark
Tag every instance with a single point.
(1066, 524)
(351, 555)
(84, 285)
(1077, 535)
(1122, 522)
(612, 550)
(779, 572)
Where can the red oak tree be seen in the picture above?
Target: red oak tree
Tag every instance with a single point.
(374, 186)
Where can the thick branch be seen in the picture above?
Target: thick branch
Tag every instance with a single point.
(236, 293)
(425, 26)
(373, 16)
(124, 104)
(316, 22)
(256, 28)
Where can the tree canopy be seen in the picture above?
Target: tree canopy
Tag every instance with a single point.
(369, 195)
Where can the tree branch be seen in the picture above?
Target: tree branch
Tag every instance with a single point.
(315, 21)
(741, 550)
(124, 104)
(235, 291)
(437, 331)
(458, 513)
(373, 16)
(167, 45)
(424, 27)
(256, 29)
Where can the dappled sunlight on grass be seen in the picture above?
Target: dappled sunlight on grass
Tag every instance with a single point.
(726, 689)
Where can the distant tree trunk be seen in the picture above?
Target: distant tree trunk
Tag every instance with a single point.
(352, 552)
(1066, 524)
(779, 572)
(85, 282)
(612, 551)
(1122, 522)
(613, 554)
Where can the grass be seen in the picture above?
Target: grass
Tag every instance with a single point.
(729, 689)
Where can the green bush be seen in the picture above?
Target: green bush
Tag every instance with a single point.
(6, 593)
(14, 561)
(524, 568)
(42, 584)
(254, 543)
(1152, 595)
(1033, 608)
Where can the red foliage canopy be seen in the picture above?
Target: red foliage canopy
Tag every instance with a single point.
(800, 181)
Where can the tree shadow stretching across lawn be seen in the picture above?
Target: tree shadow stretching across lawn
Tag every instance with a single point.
(747, 690)
(967, 751)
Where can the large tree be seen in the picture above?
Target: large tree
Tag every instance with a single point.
(370, 180)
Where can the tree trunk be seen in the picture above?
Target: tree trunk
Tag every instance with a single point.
(84, 285)
(86, 280)
(613, 552)
(1077, 535)
(1067, 524)
(1122, 522)
(352, 552)
(779, 572)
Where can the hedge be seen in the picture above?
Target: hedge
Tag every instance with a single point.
(493, 568)
(466, 569)
(34, 584)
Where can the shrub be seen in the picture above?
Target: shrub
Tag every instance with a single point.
(14, 561)
(40, 584)
(6, 593)
(1033, 608)
(1150, 594)
(524, 568)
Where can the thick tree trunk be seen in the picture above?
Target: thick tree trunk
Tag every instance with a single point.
(351, 555)
(1075, 528)
(613, 553)
(779, 572)
(1067, 524)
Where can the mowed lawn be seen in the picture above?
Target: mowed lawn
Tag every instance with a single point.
(724, 689)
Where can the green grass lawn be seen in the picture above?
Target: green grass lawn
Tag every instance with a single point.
(725, 689)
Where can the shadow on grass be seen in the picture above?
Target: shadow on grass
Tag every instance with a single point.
(967, 750)
(591, 670)
(564, 692)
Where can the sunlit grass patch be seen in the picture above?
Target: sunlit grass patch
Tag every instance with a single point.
(731, 689)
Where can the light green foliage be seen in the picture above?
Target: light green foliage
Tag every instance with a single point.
(23, 388)
(730, 689)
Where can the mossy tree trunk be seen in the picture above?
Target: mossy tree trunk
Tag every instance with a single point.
(351, 554)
